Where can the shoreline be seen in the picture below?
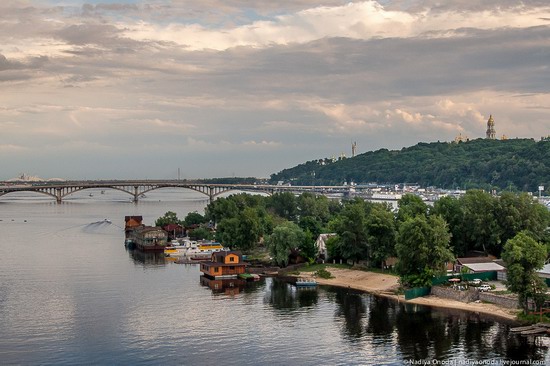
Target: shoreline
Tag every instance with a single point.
(385, 285)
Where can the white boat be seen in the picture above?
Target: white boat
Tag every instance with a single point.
(178, 249)
(302, 282)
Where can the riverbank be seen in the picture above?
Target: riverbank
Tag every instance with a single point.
(387, 286)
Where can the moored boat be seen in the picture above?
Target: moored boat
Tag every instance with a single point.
(302, 282)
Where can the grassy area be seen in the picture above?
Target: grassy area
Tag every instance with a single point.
(533, 318)
(325, 266)
(380, 270)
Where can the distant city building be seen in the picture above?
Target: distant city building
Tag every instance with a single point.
(491, 128)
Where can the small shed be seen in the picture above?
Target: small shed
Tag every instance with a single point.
(483, 267)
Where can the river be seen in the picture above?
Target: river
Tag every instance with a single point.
(72, 294)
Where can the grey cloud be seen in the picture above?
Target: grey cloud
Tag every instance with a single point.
(349, 70)
(81, 34)
(437, 6)
(5, 64)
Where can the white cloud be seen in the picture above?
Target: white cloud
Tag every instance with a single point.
(361, 20)
(255, 87)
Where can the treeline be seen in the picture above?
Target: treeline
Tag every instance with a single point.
(515, 165)
(422, 237)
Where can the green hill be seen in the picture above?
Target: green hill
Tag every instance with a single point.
(517, 164)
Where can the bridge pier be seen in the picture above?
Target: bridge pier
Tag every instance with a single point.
(136, 193)
(58, 195)
(210, 194)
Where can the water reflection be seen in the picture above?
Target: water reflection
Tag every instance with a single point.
(281, 295)
(413, 331)
(352, 310)
(227, 286)
(148, 259)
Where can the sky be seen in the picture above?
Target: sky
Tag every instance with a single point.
(133, 89)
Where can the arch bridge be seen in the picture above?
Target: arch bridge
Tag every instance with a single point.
(136, 188)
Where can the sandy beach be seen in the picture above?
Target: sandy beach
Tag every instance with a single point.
(386, 285)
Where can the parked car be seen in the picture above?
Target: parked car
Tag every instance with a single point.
(475, 282)
(485, 287)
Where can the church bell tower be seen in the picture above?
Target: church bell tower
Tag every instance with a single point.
(491, 128)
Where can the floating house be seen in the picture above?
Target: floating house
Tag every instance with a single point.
(131, 223)
(223, 264)
(149, 238)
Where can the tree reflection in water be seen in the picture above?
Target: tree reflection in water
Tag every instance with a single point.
(351, 309)
(283, 296)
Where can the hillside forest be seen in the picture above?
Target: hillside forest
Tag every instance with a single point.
(513, 165)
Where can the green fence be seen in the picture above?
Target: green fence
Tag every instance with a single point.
(413, 293)
(484, 276)
(423, 291)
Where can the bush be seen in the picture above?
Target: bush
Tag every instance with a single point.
(323, 273)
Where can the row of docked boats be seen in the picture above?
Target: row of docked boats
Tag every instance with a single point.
(193, 250)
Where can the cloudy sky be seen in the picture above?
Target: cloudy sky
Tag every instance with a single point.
(132, 89)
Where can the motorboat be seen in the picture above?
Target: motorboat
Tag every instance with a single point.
(303, 282)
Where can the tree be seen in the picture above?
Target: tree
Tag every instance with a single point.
(516, 213)
(381, 234)
(311, 224)
(481, 229)
(310, 205)
(194, 218)
(283, 240)
(249, 229)
(227, 232)
(422, 249)
(200, 233)
(168, 218)
(450, 208)
(284, 205)
(221, 208)
(240, 232)
(410, 205)
(523, 256)
(308, 249)
(352, 234)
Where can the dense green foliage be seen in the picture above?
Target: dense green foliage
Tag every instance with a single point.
(423, 238)
(194, 218)
(523, 256)
(423, 250)
(168, 218)
(284, 239)
(482, 222)
(518, 164)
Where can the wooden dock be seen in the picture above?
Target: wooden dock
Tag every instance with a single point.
(535, 329)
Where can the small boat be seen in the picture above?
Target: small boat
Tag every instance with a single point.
(129, 243)
(249, 276)
(302, 282)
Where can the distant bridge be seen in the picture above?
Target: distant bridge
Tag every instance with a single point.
(136, 188)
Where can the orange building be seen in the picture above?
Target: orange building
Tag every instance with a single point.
(131, 223)
(224, 264)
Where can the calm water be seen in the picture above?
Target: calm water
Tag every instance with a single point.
(70, 293)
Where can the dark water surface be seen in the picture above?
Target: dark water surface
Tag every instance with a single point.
(70, 293)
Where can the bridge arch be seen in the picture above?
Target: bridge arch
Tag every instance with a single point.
(182, 186)
(242, 190)
(49, 194)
